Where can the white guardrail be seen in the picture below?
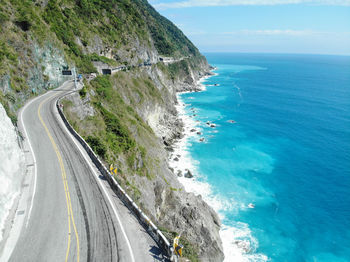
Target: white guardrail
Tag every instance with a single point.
(150, 227)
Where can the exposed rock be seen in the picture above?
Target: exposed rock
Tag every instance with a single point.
(169, 148)
(196, 219)
(82, 108)
(175, 210)
(188, 174)
(166, 142)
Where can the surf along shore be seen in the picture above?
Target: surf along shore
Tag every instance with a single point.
(186, 168)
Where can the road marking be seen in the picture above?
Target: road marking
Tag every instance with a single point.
(104, 190)
(21, 212)
(32, 152)
(66, 188)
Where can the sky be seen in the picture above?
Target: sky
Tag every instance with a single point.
(262, 26)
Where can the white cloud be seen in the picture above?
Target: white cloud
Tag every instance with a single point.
(272, 32)
(287, 32)
(196, 3)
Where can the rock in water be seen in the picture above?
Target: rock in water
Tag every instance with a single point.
(188, 174)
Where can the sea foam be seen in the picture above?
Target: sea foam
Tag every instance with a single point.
(11, 166)
(238, 242)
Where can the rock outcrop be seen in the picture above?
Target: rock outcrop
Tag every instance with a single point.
(132, 112)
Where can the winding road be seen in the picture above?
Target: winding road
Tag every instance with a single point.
(72, 213)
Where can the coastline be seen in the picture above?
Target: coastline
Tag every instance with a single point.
(236, 247)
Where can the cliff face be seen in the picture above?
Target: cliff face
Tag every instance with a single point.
(143, 101)
(128, 118)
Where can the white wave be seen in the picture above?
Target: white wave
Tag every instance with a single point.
(11, 166)
(238, 242)
(239, 245)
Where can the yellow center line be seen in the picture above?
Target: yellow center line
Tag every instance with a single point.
(66, 188)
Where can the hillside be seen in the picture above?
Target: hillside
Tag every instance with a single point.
(129, 117)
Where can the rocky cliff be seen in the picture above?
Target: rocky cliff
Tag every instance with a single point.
(129, 117)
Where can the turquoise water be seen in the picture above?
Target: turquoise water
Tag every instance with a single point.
(287, 154)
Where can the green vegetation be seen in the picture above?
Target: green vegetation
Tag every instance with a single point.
(75, 27)
(169, 40)
(176, 69)
(88, 31)
(103, 86)
(113, 21)
(18, 83)
(82, 92)
(103, 59)
(3, 17)
(119, 136)
(96, 145)
(108, 132)
(189, 251)
(7, 53)
(5, 101)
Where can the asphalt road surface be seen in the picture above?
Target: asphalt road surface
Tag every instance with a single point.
(74, 214)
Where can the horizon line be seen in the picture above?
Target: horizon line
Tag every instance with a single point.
(159, 5)
(271, 53)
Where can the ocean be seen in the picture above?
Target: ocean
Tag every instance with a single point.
(275, 157)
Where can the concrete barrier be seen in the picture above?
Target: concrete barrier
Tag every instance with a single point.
(150, 227)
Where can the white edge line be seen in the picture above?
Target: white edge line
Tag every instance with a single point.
(100, 183)
(32, 152)
(34, 161)
(32, 198)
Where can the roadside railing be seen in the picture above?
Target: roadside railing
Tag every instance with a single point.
(145, 221)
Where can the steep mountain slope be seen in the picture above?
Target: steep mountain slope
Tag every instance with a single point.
(128, 118)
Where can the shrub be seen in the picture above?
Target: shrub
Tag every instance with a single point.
(103, 86)
(122, 133)
(3, 18)
(103, 59)
(82, 92)
(96, 145)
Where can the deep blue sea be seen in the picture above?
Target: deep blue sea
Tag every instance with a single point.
(282, 169)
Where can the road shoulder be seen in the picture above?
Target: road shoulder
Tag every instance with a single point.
(20, 211)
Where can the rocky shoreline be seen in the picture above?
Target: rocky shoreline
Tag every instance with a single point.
(164, 198)
(181, 130)
(185, 128)
(176, 209)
